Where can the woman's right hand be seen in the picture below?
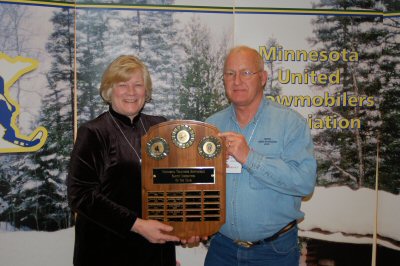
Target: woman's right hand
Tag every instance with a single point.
(154, 231)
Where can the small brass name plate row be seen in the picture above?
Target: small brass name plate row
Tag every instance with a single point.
(184, 206)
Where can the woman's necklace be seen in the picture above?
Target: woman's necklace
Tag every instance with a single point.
(133, 148)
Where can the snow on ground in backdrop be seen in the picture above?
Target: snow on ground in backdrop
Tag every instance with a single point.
(56, 249)
(337, 211)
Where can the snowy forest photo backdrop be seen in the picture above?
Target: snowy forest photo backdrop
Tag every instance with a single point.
(183, 43)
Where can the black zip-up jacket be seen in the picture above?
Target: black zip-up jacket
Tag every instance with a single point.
(104, 190)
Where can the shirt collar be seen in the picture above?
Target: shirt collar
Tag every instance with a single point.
(123, 118)
(263, 104)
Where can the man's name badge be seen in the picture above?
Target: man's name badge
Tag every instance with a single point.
(233, 166)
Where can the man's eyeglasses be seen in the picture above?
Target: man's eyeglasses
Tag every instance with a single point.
(244, 74)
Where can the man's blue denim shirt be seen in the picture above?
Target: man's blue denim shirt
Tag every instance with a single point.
(280, 170)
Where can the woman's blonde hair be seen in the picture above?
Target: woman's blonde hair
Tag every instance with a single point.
(121, 70)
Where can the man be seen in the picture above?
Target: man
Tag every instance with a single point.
(271, 167)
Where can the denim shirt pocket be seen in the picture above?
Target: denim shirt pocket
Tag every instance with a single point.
(256, 184)
(260, 168)
(261, 172)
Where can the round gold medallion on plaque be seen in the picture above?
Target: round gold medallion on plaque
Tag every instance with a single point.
(209, 147)
(157, 148)
(183, 136)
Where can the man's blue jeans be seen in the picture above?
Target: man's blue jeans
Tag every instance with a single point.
(283, 251)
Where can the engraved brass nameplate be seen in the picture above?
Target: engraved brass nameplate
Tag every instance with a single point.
(196, 175)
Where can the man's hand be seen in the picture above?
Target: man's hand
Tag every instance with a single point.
(193, 241)
(236, 145)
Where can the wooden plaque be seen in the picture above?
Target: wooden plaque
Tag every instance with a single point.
(183, 177)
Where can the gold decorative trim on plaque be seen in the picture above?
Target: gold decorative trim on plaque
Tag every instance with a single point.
(183, 136)
(157, 148)
(209, 147)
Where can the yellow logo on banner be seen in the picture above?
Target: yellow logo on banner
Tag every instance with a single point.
(11, 140)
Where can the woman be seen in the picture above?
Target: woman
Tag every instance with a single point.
(104, 179)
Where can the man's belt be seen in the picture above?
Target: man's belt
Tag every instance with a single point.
(248, 244)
